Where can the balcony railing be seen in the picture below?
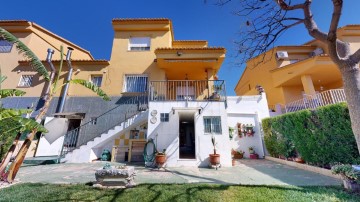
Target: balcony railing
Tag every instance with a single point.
(188, 90)
(321, 99)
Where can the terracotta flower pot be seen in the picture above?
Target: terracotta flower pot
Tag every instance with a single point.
(160, 159)
(238, 156)
(299, 160)
(214, 159)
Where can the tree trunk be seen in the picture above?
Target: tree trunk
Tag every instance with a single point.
(9, 154)
(351, 79)
(15, 166)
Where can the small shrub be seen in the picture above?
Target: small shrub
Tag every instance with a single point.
(346, 171)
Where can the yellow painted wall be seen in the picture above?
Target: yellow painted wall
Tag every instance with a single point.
(121, 63)
(284, 85)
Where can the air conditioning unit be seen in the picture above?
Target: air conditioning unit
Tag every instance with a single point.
(280, 55)
(317, 51)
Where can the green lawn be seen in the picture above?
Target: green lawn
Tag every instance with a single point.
(174, 192)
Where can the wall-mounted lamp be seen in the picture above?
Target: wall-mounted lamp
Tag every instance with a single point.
(78, 70)
(179, 53)
(18, 71)
(105, 71)
(259, 88)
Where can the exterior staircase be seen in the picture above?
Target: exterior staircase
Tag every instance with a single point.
(84, 143)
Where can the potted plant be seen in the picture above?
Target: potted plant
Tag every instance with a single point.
(239, 129)
(249, 128)
(160, 158)
(239, 154)
(231, 132)
(350, 175)
(214, 158)
(253, 154)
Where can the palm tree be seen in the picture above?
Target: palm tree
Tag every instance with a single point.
(14, 122)
(40, 68)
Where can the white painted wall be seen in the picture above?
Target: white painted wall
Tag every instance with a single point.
(166, 134)
(47, 149)
(248, 110)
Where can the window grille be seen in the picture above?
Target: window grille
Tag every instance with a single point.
(135, 83)
(5, 46)
(26, 80)
(96, 80)
(212, 124)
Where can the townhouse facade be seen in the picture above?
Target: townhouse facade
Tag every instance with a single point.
(161, 89)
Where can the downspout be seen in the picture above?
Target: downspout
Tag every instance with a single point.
(63, 96)
(52, 74)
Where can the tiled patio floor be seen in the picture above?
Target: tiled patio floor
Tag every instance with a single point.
(254, 172)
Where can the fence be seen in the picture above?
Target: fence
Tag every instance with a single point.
(320, 99)
(187, 90)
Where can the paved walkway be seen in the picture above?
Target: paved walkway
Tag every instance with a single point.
(254, 172)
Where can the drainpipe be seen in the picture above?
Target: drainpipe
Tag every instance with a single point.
(63, 96)
(52, 74)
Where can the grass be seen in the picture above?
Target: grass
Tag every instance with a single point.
(174, 192)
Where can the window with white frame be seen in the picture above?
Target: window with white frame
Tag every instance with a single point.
(26, 80)
(139, 43)
(96, 80)
(5, 46)
(135, 83)
(164, 117)
(212, 124)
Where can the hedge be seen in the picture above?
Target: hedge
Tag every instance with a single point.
(321, 137)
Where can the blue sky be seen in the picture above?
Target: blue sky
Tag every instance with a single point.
(88, 23)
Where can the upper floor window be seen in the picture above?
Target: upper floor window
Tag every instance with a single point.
(139, 43)
(136, 83)
(212, 124)
(26, 80)
(5, 46)
(96, 80)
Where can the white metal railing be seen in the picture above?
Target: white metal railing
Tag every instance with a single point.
(187, 90)
(320, 99)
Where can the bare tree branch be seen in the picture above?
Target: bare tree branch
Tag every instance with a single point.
(283, 5)
(332, 37)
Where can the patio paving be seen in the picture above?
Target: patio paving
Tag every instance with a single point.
(251, 172)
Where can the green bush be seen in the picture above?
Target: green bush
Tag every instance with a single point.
(322, 137)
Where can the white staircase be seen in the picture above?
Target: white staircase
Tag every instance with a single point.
(92, 149)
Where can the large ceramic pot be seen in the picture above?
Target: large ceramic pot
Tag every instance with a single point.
(160, 159)
(214, 159)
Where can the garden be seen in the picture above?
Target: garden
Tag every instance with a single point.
(321, 137)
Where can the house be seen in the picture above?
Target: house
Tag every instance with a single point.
(161, 89)
(298, 77)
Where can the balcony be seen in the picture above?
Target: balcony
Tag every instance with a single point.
(187, 90)
(320, 99)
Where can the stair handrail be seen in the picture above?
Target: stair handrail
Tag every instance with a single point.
(141, 102)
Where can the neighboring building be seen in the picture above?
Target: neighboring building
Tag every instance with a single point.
(292, 73)
(161, 89)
